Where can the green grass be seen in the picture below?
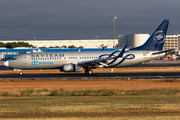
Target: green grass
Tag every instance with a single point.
(90, 106)
(100, 92)
(104, 103)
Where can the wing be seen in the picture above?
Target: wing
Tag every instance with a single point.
(100, 63)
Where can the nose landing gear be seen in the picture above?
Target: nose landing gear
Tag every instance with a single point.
(20, 71)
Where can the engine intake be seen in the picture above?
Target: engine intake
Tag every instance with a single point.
(72, 68)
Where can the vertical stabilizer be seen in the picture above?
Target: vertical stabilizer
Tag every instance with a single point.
(156, 41)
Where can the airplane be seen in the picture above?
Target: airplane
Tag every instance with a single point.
(88, 60)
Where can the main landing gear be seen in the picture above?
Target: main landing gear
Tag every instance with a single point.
(88, 71)
(20, 72)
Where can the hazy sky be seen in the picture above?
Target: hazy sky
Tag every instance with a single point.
(84, 19)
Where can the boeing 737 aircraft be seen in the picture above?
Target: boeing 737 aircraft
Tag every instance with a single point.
(79, 61)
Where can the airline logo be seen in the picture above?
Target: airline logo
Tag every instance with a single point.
(41, 63)
(45, 55)
(159, 36)
(116, 61)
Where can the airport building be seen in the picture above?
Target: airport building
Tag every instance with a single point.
(134, 40)
(172, 42)
(90, 43)
(131, 40)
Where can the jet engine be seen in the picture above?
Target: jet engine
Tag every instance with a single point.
(72, 68)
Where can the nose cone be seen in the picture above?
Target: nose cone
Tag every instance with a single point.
(6, 63)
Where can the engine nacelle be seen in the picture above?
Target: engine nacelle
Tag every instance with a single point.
(72, 68)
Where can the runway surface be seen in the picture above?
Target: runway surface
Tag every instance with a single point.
(156, 63)
(137, 75)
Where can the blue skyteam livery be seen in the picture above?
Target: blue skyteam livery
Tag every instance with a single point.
(79, 61)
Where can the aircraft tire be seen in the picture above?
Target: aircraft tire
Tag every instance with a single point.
(88, 71)
(21, 73)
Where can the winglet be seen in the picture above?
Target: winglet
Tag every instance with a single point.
(121, 53)
(102, 48)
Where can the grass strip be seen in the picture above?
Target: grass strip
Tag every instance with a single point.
(100, 92)
(90, 106)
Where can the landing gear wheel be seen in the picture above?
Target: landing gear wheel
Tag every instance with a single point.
(21, 73)
(88, 71)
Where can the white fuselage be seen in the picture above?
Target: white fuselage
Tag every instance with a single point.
(55, 60)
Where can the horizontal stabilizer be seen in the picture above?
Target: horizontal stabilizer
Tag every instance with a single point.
(163, 51)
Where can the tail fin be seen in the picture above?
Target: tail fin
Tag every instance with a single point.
(156, 40)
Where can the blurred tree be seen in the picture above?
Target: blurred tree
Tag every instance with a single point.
(80, 47)
(63, 46)
(2, 44)
(72, 46)
(17, 44)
